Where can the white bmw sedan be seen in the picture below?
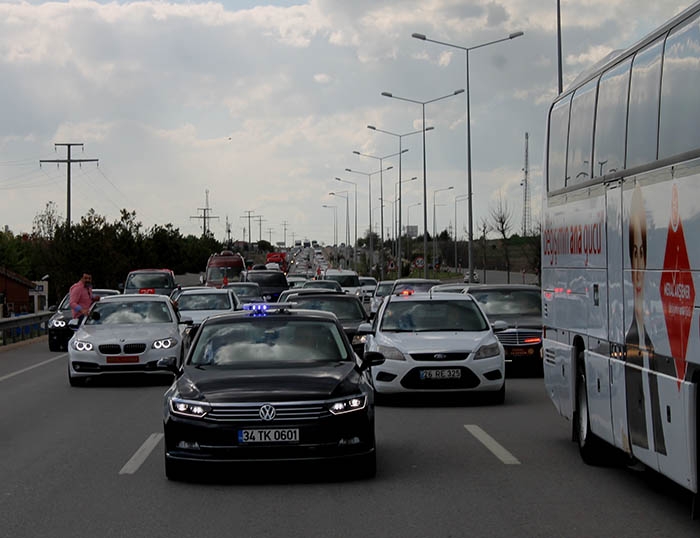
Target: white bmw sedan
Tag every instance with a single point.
(435, 342)
(124, 334)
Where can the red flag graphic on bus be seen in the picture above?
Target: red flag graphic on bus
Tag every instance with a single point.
(677, 289)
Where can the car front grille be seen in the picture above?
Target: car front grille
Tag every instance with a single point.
(428, 357)
(297, 411)
(134, 348)
(517, 337)
(110, 349)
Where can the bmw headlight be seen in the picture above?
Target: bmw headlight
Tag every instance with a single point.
(489, 350)
(165, 343)
(81, 345)
(57, 323)
(189, 408)
(354, 403)
(391, 353)
(359, 339)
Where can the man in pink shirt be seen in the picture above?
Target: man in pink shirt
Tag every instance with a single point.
(81, 296)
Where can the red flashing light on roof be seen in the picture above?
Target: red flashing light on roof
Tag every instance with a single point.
(407, 292)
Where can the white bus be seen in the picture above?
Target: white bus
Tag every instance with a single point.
(621, 254)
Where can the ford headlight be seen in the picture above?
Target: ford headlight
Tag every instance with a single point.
(354, 403)
(165, 343)
(82, 345)
(189, 408)
(489, 350)
(391, 353)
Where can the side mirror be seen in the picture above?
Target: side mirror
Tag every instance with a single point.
(365, 328)
(120, 286)
(53, 308)
(371, 358)
(499, 325)
(184, 320)
(169, 364)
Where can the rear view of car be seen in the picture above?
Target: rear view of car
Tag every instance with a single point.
(150, 282)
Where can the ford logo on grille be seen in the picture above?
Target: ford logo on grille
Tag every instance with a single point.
(267, 412)
(439, 356)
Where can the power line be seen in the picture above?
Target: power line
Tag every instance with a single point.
(205, 216)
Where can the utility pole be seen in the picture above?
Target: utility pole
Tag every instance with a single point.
(260, 221)
(284, 227)
(526, 193)
(68, 160)
(269, 231)
(248, 216)
(205, 216)
(228, 233)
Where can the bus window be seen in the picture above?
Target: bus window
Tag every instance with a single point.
(578, 166)
(679, 130)
(558, 133)
(611, 120)
(643, 120)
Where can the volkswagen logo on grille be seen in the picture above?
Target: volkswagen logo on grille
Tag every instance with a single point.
(267, 412)
(439, 356)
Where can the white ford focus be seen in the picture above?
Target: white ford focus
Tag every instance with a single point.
(435, 342)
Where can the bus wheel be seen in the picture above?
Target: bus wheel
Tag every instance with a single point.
(591, 447)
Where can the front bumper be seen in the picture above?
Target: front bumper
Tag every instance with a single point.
(85, 364)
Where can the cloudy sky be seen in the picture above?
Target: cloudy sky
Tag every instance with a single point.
(261, 104)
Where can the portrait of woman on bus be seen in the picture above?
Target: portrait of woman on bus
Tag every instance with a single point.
(640, 350)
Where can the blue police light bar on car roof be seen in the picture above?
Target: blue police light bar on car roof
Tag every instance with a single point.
(263, 308)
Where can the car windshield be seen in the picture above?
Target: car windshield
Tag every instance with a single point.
(246, 291)
(322, 284)
(383, 289)
(432, 315)
(204, 301)
(346, 281)
(219, 273)
(344, 310)
(509, 302)
(367, 282)
(268, 279)
(129, 313)
(259, 342)
(148, 280)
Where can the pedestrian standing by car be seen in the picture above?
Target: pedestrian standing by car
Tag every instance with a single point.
(81, 296)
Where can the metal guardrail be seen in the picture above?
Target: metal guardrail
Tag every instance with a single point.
(23, 327)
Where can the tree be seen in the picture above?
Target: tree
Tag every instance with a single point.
(501, 218)
(46, 223)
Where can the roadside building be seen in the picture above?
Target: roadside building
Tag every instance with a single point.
(14, 293)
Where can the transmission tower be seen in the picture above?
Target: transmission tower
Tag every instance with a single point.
(205, 216)
(527, 226)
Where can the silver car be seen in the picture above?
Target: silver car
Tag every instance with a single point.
(124, 334)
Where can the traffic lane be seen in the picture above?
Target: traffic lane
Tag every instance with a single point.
(434, 479)
(15, 357)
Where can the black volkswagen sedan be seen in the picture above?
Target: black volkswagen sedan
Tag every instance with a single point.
(270, 384)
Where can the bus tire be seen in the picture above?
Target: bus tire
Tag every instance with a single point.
(591, 447)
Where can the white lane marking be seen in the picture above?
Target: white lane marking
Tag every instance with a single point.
(494, 446)
(13, 374)
(141, 454)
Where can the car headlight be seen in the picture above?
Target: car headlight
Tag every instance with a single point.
(359, 339)
(56, 323)
(346, 405)
(391, 353)
(189, 408)
(489, 350)
(165, 343)
(82, 345)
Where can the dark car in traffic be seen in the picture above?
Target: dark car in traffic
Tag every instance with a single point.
(520, 307)
(271, 282)
(270, 384)
(57, 327)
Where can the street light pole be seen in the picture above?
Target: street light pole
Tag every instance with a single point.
(408, 222)
(425, 184)
(335, 223)
(435, 191)
(457, 198)
(469, 145)
(346, 195)
(354, 250)
(369, 179)
(400, 137)
(398, 224)
(381, 195)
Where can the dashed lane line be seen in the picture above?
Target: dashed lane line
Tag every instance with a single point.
(494, 446)
(141, 454)
(13, 374)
